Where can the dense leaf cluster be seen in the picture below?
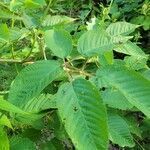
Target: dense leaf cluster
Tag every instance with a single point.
(81, 79)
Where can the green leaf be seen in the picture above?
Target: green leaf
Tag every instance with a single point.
(58, 128)
(132, 49)
(6, 14)
(4, 33)
(32, 80)
(4, 142)
(119, 132)
(56, 20)
(16, 4)
(54, 144)
(34, 3)
(100, 42)
(19, 143)
(7, 106)
(130, 83)
(42, 102)
(49, 145)
(39, 2)
(4, 121)
(59, 41)
(94, 42)
(146, 74)
(115, 99)
(84, 116)
(30, 21)
(106, 58)
(133, 125)
(16, 33)
(121, 28)
(136, 63)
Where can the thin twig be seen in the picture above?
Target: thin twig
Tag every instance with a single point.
(11, 60)
(47, 9)
(40, 41)
(32, 47)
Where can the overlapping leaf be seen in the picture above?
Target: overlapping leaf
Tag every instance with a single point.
(83, 114)
(4, 121)
(4, 142)
(17, 143)
(32, 80)
(7, 106)
(119, 132)
(115, 99)
(56, 20)
(132, 49)
(121, 28)
(94, 42)
(130, 83)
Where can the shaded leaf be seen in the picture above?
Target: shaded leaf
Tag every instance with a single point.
(119, 131)
(19, 143)
(115, 99)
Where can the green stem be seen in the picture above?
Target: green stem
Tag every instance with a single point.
(3, 5)
(73, 69)
(32, 47)
(10, 60)
(4, 92)
(67, 71)
(139, 144)
(12, 48)
(47, 9)
(110, 6)
(41, 47)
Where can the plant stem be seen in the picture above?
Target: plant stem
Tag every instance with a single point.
(41, 46)
(32, 47)
(4, 6)
(3, 92)
(67, 70)
(48, 6)
(110, 6)
(10, 60)
(72, 69)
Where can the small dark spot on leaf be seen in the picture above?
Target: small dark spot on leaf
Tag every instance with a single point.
(75, 108)
(103, 89)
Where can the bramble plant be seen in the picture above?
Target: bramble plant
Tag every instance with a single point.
(70, 80)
